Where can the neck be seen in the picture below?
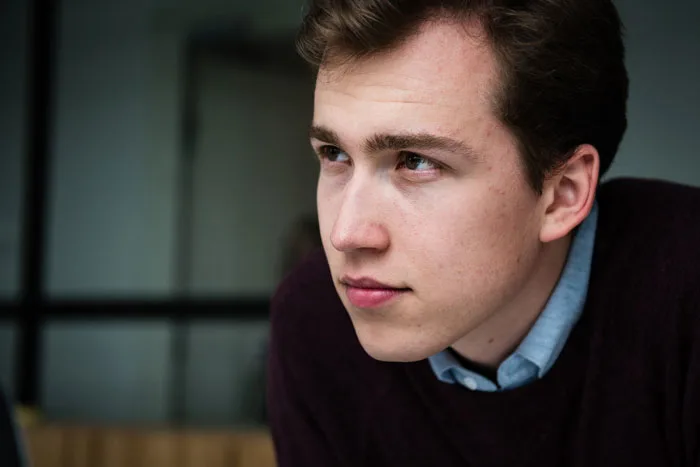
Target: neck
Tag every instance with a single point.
(497, 337)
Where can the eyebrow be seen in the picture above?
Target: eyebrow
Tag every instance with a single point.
(396, 142)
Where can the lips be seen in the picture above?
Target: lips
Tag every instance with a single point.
(368, 293)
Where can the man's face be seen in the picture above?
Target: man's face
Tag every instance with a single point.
(427, 220)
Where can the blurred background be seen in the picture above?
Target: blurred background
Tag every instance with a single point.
(156, 183)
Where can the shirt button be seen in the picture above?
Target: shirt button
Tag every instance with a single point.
(470, 383)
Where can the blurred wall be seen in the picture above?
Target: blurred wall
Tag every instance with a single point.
(663, 59)
(113, 214)
(115, 180)
(254, 175)
(99, 232)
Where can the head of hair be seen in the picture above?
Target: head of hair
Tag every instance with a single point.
(562, 77)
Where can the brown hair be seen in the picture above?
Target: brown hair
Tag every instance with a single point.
(563, 78)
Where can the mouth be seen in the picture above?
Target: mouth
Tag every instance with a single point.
(368, 293)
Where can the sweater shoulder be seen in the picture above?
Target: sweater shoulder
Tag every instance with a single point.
(646, 210)
(647, 290)
(653, 222)
(648, 260)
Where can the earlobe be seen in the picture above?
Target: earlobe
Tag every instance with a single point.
(570, 193)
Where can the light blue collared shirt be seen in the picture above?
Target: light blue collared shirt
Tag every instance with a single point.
(539, 350)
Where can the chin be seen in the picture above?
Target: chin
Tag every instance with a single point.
(397, 347)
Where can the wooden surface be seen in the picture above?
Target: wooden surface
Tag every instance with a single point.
(76, 446)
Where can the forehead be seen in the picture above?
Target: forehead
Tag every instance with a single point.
(446, 65)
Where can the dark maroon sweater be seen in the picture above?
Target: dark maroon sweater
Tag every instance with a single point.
(625, 390)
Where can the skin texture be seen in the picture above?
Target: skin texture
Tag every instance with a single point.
(454, 224)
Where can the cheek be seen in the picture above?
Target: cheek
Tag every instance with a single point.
(471, 243)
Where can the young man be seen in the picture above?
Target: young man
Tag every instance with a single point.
(481, 300)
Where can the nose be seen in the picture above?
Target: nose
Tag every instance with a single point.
(359, 224)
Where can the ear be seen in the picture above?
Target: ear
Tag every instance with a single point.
(569, 193)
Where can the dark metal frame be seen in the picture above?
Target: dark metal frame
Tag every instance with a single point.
(33, 309)
(41, 37)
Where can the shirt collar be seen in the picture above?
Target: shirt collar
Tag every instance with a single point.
(546, 339)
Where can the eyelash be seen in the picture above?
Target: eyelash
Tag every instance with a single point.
(323, 153)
